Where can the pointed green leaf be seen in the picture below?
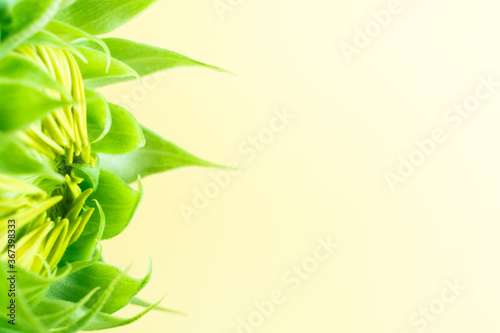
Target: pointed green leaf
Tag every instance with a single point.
(158, 155)
(146, 59)
(100, 17)
(77, 285)
(89, 315)
(139, 302)
(27, 17)
(104, 321)
(118, 202)
(58, 313)
(125, 134)
(53, 312)
(98, 71)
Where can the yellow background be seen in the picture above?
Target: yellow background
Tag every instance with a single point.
(324, 174)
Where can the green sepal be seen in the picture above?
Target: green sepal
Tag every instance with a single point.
(142, 303)
(93, 312)
(55, 313)
(89, 175)
(100, 70)
(158, 155)
(98, 116)
(100, 17)
(125, 134)
(69, 33)
(118, 201)
(77, 285)
(105, 321)
(66, 313)
(75, 266)
(146, 59)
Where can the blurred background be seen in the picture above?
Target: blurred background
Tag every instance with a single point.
(367, 134)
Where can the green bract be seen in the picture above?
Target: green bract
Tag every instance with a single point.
(67, 157)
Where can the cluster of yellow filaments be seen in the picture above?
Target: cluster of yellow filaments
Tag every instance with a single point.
(50, 218)
(64, 131)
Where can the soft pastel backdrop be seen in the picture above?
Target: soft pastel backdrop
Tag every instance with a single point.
(323, 175)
